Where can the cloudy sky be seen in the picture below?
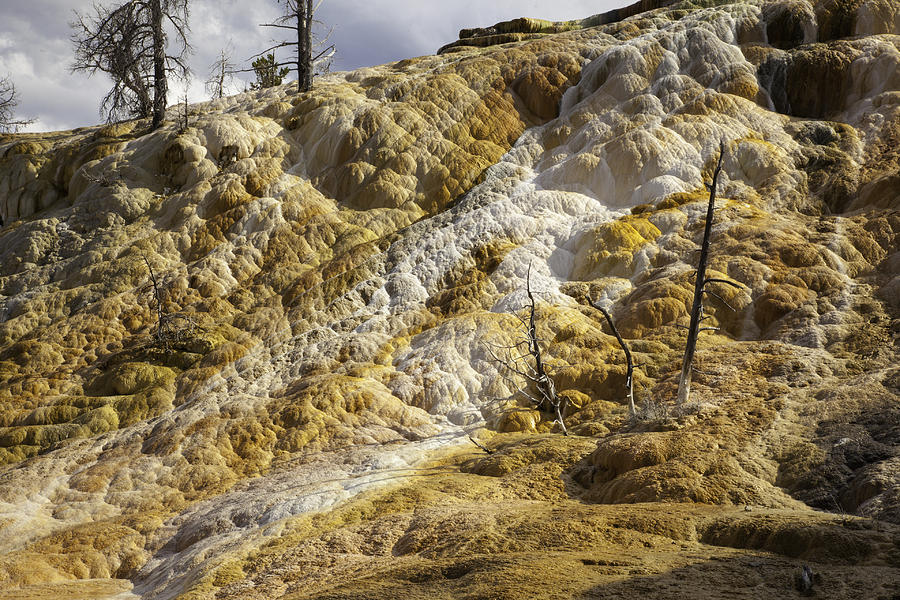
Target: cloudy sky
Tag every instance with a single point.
(36, 52)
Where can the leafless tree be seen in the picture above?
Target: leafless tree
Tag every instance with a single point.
(9, 100)
(525, 358)
(697, 314)
(220, 73)
(161, 322)
(170, 327)
(629, 374)
(129, 44)
(298, 18)
(184, 117)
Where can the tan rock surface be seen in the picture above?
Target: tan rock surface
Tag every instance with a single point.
(335, 265)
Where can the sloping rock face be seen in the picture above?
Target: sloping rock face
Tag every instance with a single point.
(243, 359)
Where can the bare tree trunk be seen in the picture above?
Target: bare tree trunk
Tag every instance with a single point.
(160, 318)
(684, 382)
(136, 85)
(129, 43)
(629, 375)
(544, 383)
(304, 45)
(548, 400)
(298, 18)
(161, 87)
(546, 387)
(9, 100)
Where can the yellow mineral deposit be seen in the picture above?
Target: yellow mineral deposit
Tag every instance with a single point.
(332, 265)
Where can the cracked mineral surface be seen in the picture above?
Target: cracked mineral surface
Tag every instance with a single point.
(292, 419)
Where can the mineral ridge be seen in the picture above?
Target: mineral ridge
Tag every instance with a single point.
(293, 419)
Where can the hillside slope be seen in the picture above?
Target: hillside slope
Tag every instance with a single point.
(293, 420)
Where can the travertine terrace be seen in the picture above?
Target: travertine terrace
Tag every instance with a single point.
(334, 264)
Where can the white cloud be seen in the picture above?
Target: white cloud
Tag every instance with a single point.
(18, 63)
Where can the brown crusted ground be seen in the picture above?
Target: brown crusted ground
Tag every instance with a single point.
(510, 525)
(673, 505)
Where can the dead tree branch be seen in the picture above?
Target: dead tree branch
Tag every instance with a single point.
(529, 365)
(629, 374)
(169, 327)
(697, 316)
(220, 73)
(160, 320)
(298, 17)
(128, 43)
(9, 100)
(480, 445)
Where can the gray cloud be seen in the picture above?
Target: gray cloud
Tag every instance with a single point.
(36, 52)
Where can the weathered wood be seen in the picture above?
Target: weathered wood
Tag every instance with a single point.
(629, 375)
(304, 45)
(684, 382)
(298, 17)
(480, 445)
(160, 319)
(548, 400)
(160, 84)
(129, 43)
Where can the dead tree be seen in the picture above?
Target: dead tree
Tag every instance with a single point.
(298, 18)
(629, 374)
(129, 43)
(220, 73)
(169, 327)
(697, 315)
(184, 117)
(525, 359)
(9, 100)
(161, 321)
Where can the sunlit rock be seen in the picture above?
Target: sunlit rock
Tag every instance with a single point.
(288, 410)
